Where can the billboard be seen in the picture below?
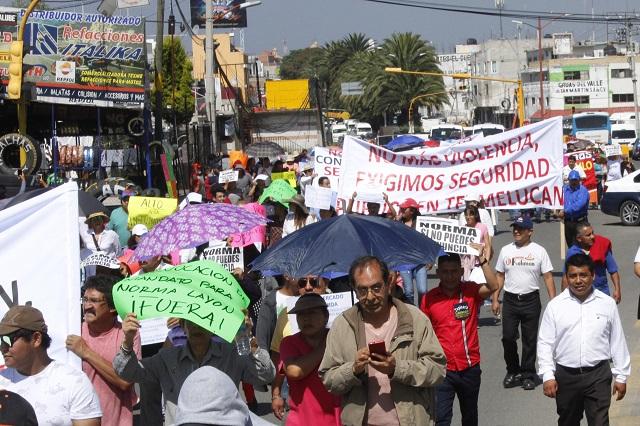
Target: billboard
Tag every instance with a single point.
(287, 94)
(226, 13)
(83, 59)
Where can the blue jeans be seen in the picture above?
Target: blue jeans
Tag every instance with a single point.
(420, 275)
(466, 385)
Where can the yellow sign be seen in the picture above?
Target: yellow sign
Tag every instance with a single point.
(287, 94)
(150, 210)
(288, 176)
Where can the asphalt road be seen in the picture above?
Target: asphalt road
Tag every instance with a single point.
(510, 407)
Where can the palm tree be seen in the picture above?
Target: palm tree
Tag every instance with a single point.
(394, 92)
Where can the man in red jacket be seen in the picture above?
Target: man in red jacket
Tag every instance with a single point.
(453, 309)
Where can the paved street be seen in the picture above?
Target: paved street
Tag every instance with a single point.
(507, 407)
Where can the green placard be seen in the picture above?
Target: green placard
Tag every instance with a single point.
(202, 292)
(279, 191)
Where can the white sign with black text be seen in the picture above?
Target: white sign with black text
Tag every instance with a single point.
(453, 237)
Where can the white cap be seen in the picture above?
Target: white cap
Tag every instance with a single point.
(472, 197)
(139, 230)
(191, 198)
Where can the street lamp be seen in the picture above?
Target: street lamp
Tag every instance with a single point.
(426, 95)
(467, 76)
(209, 82)
(539, 29)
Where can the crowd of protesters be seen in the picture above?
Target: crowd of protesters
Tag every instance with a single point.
(399, 356)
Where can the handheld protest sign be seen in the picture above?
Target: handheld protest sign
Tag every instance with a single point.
(101, 259)
(453, 237)
(149, 211)
(228, 176)
(279, 190)
(202, 292)
(228, 257)
(289, 176)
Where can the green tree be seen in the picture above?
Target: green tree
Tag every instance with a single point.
(304, 63)
(177, 79)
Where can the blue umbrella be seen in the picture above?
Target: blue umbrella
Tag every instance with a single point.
(329, 247)
(404, 141)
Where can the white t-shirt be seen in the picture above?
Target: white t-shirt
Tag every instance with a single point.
(637, 259)
(59, 394)
(614, 170)
(289, 226)
(566, 169)
(522, 267)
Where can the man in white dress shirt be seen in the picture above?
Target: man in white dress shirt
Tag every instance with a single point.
(580, 332)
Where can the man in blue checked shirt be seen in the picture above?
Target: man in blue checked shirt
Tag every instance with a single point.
(576, 206)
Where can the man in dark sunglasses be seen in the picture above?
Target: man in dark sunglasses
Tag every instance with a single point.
(62, 394)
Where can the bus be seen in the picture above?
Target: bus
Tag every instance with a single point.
(593, 126)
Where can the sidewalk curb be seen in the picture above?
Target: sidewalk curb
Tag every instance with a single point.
(627, 411)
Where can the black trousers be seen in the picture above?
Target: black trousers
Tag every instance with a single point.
(588, 392)
(466, 385)
(520, 311)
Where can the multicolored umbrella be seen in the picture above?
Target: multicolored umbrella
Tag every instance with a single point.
(264, 149)
(194, 225)
(279, 190)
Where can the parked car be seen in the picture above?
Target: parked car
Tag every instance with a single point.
(635, 150)
(622, 198)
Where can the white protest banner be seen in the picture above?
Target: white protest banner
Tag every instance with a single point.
(100, 259)
(318, 197)
(520, 168)
(328, 162)
(229, 257)
(611, 150)
(228, 176)
(336, 302)
(453, 237)
(370, 197)
(40, 263)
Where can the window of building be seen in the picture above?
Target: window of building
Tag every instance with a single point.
(621, 73)
(622, 97)
(575, 100)
(576, 75)
(486, 89)
(475, 90)
(494, 67)
(533, 100)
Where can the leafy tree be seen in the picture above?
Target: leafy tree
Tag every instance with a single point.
(304, 63)
(177, 79)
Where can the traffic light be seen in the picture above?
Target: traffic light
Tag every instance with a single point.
(14, 88)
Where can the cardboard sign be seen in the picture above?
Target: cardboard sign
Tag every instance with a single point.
(153, 330)
(371, 197)
(337, 304)
(228, 176)
(289, 176)
(101, 259)
(201, 292)
(150, 210)
(318, 197)
(328, 162)
(229, 257)
(610, 150)
(453, 237)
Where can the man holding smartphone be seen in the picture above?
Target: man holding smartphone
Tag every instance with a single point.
(382, 385)
(453, 309)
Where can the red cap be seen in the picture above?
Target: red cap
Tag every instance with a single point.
(410, 202)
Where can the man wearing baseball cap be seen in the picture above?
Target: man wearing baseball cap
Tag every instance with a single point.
(118, 221)
(518, 268)
(62, 394)
(576, 206)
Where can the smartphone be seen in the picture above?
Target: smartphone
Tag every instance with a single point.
(377, 347)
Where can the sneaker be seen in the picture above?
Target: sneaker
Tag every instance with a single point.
(512, 381)
(528, 384)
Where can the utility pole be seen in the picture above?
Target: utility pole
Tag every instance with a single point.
(209, 80)
(316, 88)
(157, 113)
(541, 77)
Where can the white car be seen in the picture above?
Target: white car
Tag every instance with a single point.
(622, 198)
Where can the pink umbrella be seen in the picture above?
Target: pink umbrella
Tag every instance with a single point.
(195, 225)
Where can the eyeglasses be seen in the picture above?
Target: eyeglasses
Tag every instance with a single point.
(87, 301)
(376, 289)
(9, 339)
(312, 281)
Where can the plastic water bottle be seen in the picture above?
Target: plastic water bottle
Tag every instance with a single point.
(243, 342)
